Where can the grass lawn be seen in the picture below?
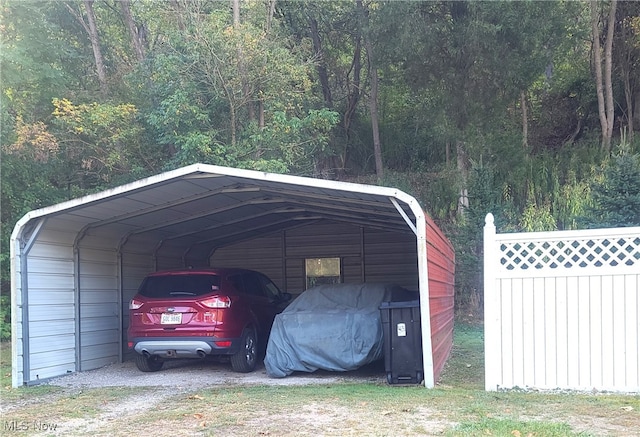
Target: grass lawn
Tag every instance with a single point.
(458, 406)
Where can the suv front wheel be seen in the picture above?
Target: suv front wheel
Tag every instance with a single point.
(152, 363)
(244, 360)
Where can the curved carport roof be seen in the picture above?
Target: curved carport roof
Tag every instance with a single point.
(194, 210)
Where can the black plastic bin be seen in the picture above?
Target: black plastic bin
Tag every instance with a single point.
(402, 342)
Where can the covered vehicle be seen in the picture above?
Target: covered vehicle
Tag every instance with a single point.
(335, 327)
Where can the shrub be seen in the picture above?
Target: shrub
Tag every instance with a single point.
(5, 318)
(617, 194)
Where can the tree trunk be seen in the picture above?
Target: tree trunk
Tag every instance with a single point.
(628, 96)
(95, 44)
(604, 86)
(461, 162)
(353, 97)
(373, 99)
(525, 120)
(608, 70)
(626, 53)
(261, 114)
(636, 104)
(373, 108)
(323, 76)
(447, 153)
(270, 13)
(92, 30)
(136, 34)
(178, 12)
(246, 93)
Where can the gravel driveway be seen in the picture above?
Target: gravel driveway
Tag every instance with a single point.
(198, 373)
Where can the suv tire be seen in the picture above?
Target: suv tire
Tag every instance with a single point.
(150, 364)
(244, 361)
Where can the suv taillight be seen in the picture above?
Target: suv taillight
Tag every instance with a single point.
(135, 304)
(217, 302)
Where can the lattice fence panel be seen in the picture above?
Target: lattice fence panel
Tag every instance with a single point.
(559, 254)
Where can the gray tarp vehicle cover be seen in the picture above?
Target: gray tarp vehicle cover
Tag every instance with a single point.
(333, 327)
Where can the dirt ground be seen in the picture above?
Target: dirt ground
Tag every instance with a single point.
(183, 379)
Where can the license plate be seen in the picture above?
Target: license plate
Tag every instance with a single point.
(171, 318)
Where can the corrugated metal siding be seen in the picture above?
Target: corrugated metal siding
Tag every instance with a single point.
(166, 262)
(99, 300)
(390, 257)
(51, 305)
(294, 276)
(441, 273)
(562, 309)
(17, 320)
(261, 254)
(323, 240)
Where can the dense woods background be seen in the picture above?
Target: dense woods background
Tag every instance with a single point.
(525, 109)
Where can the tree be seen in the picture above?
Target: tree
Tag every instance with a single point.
(334, 31)
(626, 60)
(616, 194)
(604, 85)
(40, 57)
(137, 33)
(88, 22)
(204, 95)
(373, 98)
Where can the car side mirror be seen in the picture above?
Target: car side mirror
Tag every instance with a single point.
(286, 297)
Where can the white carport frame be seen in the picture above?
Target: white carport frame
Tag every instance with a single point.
(75, 248)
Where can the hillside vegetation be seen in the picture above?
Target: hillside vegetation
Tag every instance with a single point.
(524, 109)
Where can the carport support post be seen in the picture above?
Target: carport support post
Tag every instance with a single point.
(18, 251)
(492, 347)
(425, 309)
(420, 231)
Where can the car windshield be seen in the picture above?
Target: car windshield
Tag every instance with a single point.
(179, 286)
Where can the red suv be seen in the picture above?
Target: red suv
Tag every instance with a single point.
(199, 312)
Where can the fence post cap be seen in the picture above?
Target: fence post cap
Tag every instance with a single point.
(488, 220)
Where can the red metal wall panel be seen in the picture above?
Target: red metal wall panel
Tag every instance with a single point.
(441, 271)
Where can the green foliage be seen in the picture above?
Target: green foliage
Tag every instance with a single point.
(212, 78)
(509, 427)
(616, 195)
(102, 138)
(288, 142)
(5, 318)
(40, 56)
(467, 239)
(26, 184)
(249, 95)
(537, 218)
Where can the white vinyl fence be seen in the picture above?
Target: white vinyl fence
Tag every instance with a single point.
(562, 309)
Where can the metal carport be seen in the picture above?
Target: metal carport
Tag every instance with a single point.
(75, 265)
